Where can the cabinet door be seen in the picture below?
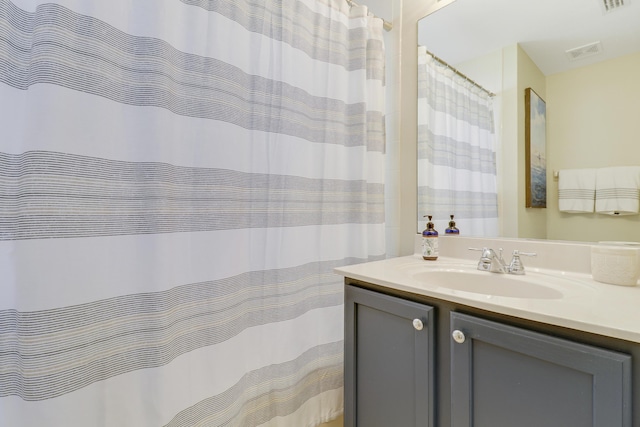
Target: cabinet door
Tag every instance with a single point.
(503, 376)
(388, 361)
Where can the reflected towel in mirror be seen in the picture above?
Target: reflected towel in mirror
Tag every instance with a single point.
(618, 190)
(576, 190)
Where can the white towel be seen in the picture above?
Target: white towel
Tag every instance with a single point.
(576, 190)
(618, 190)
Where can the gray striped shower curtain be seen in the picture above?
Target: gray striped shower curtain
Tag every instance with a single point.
(457, 173)
(178, 180)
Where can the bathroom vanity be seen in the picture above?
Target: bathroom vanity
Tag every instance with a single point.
(441, 344)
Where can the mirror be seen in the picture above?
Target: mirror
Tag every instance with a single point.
(584, 62)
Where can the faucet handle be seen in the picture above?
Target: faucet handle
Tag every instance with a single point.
(516, 266)
(518, 253)
(486, 252)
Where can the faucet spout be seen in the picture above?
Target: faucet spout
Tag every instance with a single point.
(492, 262)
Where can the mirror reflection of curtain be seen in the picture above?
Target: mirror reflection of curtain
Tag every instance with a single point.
(456, 151)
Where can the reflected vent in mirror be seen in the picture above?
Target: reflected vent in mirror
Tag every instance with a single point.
(611, 5)
(584, 51)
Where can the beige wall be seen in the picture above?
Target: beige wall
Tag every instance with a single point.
(507, 156)
(532, 222)
(593, 121)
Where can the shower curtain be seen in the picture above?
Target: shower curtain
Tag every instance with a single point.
(178, 179)
(456, 151)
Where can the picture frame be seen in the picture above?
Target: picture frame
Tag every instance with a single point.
(535, 149)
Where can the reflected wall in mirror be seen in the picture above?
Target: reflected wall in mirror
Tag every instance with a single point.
(584, 62)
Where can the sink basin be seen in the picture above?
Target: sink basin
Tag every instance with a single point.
(492, 284)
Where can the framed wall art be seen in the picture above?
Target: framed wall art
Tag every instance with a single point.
(535, 149)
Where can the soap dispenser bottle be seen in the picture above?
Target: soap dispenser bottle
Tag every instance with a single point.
(430, 242)
(452, 230)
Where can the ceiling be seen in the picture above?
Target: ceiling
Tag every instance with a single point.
(545, 29)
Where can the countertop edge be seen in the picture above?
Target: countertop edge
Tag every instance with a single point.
(553, 316)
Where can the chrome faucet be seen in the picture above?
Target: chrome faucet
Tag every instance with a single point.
(494, 263)
(491, 261)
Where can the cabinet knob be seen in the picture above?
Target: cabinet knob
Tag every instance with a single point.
(458, 336)
(417, 323)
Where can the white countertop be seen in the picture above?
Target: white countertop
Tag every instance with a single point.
(587, 305)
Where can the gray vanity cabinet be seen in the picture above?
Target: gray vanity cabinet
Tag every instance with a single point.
(507, 376)
(469, 367)
(388, 361)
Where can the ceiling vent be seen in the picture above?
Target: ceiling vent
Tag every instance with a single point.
(584, 51)
(611, 5)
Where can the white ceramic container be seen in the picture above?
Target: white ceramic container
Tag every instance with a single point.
(616, 263)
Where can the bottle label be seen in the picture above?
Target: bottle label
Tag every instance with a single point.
(430, 247)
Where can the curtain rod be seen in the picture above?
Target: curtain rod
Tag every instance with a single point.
(388, 26)
(443, 62)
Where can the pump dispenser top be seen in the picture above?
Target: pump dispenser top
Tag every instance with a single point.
(452, 229)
